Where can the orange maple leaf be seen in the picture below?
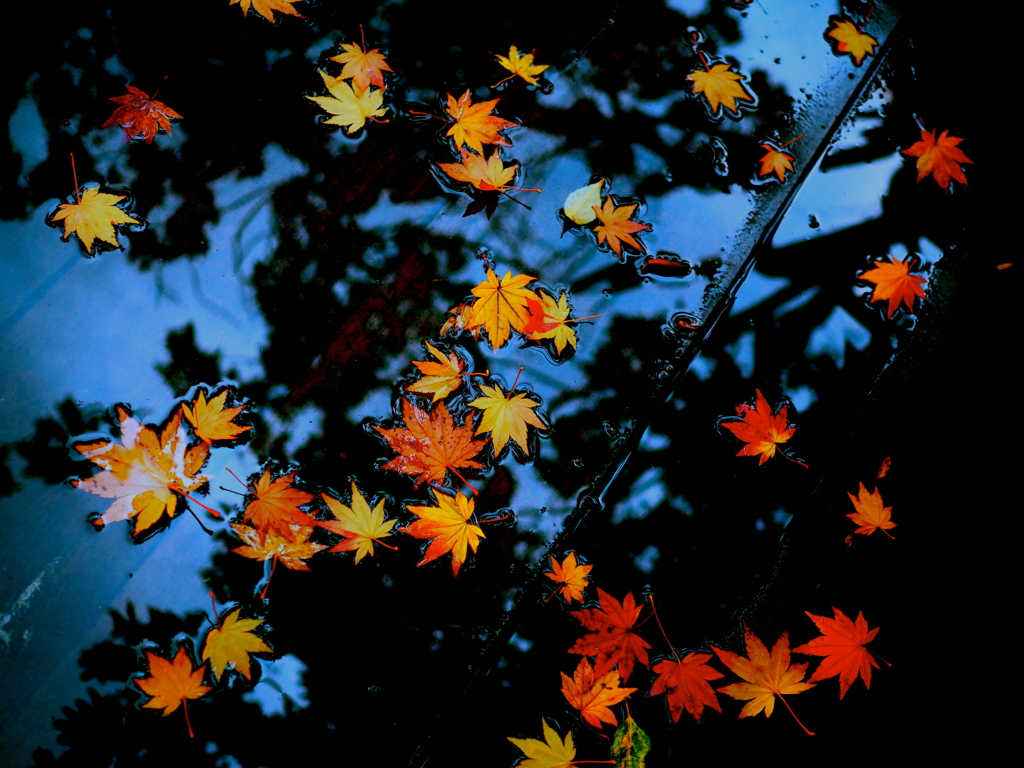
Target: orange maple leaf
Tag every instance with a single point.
(775, 160)
(894, 282)
(141, 116)
(766, 675)
(431, 443)
(570, 577)
(448, 526)
(721, 87)
(173, 683)
(521, 65)
(761, 429)
(501, 306)
(276, 506)
(870, 514)
(842, 644)
(212, 421)
(617, 227)
(474, 124)
(592, 694)
(849, 39)
(145, 472)
(363, 67)
(507, 417)
(685, 681)
(266, 8)
(292, 550)
(486, 175)
(612, 639)
(939, 158)
(439, 378)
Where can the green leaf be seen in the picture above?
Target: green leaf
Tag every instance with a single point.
(630, 745)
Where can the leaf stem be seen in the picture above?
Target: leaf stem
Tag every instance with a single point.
(188, 721)
(176, 489)
(213, 602)
(658, 619)
(578, 319)
(429, 114)
(809, 733)
(696, 47)
(464, 480)
(74, 175)
(273, 567)
(795, 461)
(250, 490)
(205, 529)
(783, 146)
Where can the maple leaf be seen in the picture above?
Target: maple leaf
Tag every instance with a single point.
(276, 506)
(212, 421)
(266, 8)
(486, 175)
(92, 218)
(230, 644)
(630, 744)
(458, 319)
(761, 429)
(172, 683)
(592, 694)
(848, 39)
(522, 66)
(501, 306)
(553, 752)
(357, 523)
(842, 644)
(775, 161)
(431, 443)
(767, 675)
(350, 105)
(145, 472)
(611, 639)
(870, 514)
(549, 319)
(570, 577)
(363, 67)
(894, 282)
(685, 681)
(291, 550)
(141, 117)
(721, 87)
(448, 527)
(475, 125)
(579, 205)
(939, 158)
(617, 227)
(439, 379)
(506, 417)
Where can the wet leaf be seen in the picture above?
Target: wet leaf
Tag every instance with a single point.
(611, 639)
(145, 472)
(848, 39)
(363, 67)
(449, 526)
(721, 87)
(579, 205)
(141, 117)
(439, 378)
(521, 66)
(211, 420)
(550, 753)
(894, 282)
(767, 675)
(276, 506)
(842, 644)
(431, 443)
(359, 525)
(474, 124)
(939, 158)
(486, 175)
(231, 643)
(501, 306)
(291, 551)
(350, 105)
(172, 683)
(549, 319)
(92, 218)
(507, 417)
(266, 8)
(630, 745)
(870, 515)
(617, 227)
(593, 695)
(570, 577)
(761, 430)
(775, 161)
(685, 681)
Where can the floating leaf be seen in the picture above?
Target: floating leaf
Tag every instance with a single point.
(93, 217)
(359, 525)
(842, 644)
(939, 158)
(448, 526)
(230, 644)
(848, 39)
(871, 515)
(141, 117)
(894, 282)
(350, 105)
(521, 66)
(593, 695)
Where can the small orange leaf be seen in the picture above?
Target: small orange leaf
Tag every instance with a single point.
(486, 175)
(474, 124)
(721, 87)
(521, 65)
(842, 644)
(617, 227)
(141, 117)
(775, 161)
(939, 158)
(276, 506)
(266, 8)
(449, 527)
(870, 514)
(439, 378)
(570, 577)
(848, 39)
(363, 67)
(894, 282)
(593, 695)
(761, 430)
(173, 683)
(212, 421)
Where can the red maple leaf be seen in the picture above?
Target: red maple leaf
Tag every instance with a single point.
(842, 644)
(141, 116)
(686, 683)
(760, 429)
(939, 158)
(611, 640)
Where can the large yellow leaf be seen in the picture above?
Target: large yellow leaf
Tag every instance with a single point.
(350, 105)
(721, 87)
(550, 753)
(439, 378)
(501, 306)
(230, 644)
(93, 218)
(449, 526)
(507, 417)
(359, 525)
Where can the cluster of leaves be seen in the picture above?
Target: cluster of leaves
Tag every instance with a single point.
(357, 94)
(607, 216)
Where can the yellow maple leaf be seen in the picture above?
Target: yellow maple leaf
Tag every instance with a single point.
(291, 552)
(474, 124)
(92, 218)
(486, 175)
(553, 752)
(579, 205)
(570, 576)
(231, 642)
(501, 306)
(350, 105)
(363, 67)
(439, 379)
(549, 319)
(212, 421)
(617, 227)
(266, 8)
(506, 417)
(448, 526)
(850, 40)
(521, 65)
(359, 525)
(145, 472)
(593, 695)
(721, 87)
(871, 514)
